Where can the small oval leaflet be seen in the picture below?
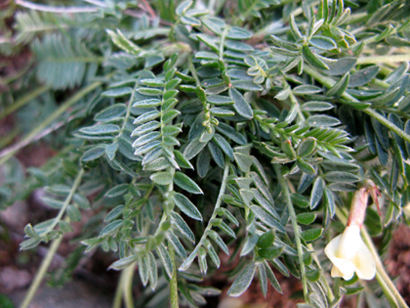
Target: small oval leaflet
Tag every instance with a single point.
(186, 206)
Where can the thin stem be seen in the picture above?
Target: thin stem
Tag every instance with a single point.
(292, 214)
(384, 59)
(23, 100)
(53, 247)
(118, 292)
(67, 201)
(9, 137)
(19, 73)
(173, 286)
(328, 82)
(6, 154)
(191, 67)
(41, 272)
(381, 271)
(127, 114)
(386, 291)
(127, 286)
(218, 203)
(387, 123)
(56, 9)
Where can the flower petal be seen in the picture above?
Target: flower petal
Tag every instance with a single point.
(331, 248)
(364, 263)
(342, 268)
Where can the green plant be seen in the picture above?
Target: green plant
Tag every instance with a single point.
(198, 129)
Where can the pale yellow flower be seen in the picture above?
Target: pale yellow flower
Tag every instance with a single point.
(350, 255)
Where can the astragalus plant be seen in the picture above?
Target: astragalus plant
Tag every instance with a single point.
(192, 130)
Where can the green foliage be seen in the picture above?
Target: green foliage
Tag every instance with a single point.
(180, 117)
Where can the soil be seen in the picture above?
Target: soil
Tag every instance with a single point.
(398, 261)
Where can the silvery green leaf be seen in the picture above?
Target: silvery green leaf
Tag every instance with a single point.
(93, 153)
(100, 129)
(124, 262)
(186, 183)
(165, 259)
(363, 76)
(243, 281)
(317, 106)
(322, 120)
(323, 42)
(182, 226)
(317, 192)
(162, 178)
(338, 89)
(241, 106)
(186, 206)
(111, 228)
(313, 59)
(224, 145)
(117, 92)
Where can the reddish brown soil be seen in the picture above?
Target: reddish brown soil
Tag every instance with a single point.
(398, 262)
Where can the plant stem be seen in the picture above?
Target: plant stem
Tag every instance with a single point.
(184, 266)
(328, 82)
(193, 72)
(67, 201)
(7, 154)
(41, 272)
(173, 285)
(384, 59)
(118, 292)
(381, 271)
(127, 286)
(23, 100)
(16, 76)
(292, 214)
(54, 245)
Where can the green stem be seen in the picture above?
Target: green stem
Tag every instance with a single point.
(218, 203)
(191, 67)
(381, 271)
(41, 272)
(66, 202)
(128, 113)
(23, 100)
(127, 286)
(173, 286)
(384, 59)
(295, 226)
(6, 155)
(16, 76)
(6, 140)
(328, 82)
(387, 123)
(386, 291)
(53, 247)
(118, 292)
